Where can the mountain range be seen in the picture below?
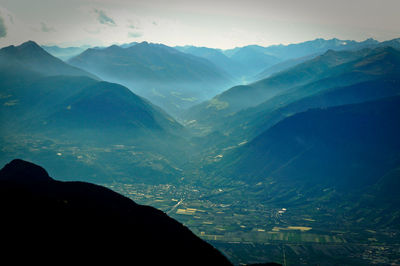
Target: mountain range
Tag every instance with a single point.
(68, 106)
(176, 78)
(254, 62)
(169, 78)
(68, 97)
(243, 108)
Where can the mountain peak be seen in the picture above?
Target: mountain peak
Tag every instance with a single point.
(30, 46)
(30, 56)
(29, 43)
(27, 49)
(23, 172)
(141, 44)
(370, 40)
(113, 49)
(114, 46)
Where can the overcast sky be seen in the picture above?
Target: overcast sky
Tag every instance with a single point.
(212, 23)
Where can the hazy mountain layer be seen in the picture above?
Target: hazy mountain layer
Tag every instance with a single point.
(218, 58)
(333, 69)
(169, 78)
(64, 53)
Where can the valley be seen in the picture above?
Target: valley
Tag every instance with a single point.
(308, 232)
(92, 162)
(238, 218)
(300, 166)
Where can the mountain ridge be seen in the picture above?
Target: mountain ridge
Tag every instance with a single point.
(31, 56)
(336, 133)
(169, 78)
(332, 69)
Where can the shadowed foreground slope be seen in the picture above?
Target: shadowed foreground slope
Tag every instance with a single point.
(51, 221)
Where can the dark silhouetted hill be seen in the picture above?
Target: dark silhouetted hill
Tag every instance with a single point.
(48, 221)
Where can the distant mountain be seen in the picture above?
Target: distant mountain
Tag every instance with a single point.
(242, 63)
(30, 56)
(62, 103)
(253, 62)
(243, 105)
(82, 115)
(168, 77)
(245, 96)
(217, 57)
(284, 65)
(253, 59)
(314, 69)
(52, 88)
(317, 46)
(371, 77)
(127, 45)
(64, 53)
(395, 43)
(48, 220)
(294, 54)
(260, 61)
(346, 147)
(255, 120)
(146, 61)
(205, 52)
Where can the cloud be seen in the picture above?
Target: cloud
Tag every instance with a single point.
(104, 19)
(46, 28)
(3, 29)
(134, 24)
(135, 34)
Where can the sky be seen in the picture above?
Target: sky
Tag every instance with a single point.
(211, 23)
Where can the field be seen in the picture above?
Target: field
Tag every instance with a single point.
(249, 232)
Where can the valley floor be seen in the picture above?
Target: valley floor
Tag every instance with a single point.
(249, 232)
